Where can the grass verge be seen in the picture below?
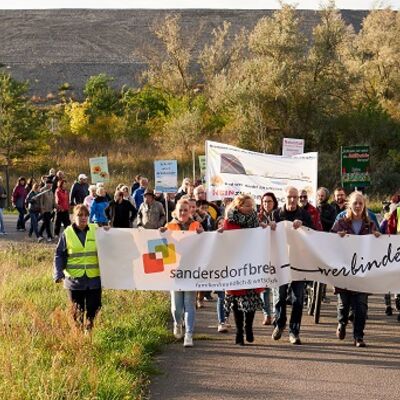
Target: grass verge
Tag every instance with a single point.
(42, 354)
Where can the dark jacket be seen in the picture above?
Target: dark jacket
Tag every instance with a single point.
(78, 193)
(121, 215)
(327, 215)
(281, 214)
(3, 196)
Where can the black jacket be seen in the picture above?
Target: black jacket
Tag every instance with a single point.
(281, 214)
(121, 214)
(328, 215)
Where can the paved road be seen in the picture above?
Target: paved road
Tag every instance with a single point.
(323, 367)
(13, 235)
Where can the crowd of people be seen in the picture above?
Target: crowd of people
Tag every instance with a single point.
(188, 209)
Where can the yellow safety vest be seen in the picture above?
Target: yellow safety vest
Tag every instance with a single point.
(82, 259)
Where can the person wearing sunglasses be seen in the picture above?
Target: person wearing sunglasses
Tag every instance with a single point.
(313, 211)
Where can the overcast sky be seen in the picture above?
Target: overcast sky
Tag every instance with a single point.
(249, 4)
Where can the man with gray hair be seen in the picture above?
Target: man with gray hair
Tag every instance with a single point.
(290, 212)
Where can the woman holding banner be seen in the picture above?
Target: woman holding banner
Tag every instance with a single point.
(76, 264)
(269, 203)
(355, 222)
(183, 303)
(241, 214)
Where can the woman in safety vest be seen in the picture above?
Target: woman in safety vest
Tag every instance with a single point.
(77, 264)
(183, 303)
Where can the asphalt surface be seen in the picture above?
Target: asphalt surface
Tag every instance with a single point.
(13, 235)
(321, 368)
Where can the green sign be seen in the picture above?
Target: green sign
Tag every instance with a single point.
(355, 166)
(202, 165)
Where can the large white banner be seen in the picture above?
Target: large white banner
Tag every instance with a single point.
(250, 258)
(231, 171)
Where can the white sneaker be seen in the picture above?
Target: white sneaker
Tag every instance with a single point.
(222, 328)
(178, 331)
(188, 341)
(40, 239)
(49, 239)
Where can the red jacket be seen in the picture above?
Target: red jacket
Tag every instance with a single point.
(315, 216)
(62, 199)
(231, 226)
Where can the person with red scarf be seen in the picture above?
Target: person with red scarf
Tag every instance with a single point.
(241, 214)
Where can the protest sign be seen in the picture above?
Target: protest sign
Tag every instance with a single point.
(166, 176)
(231, 171)
(99, 169)
(355, 166)
(292, 147)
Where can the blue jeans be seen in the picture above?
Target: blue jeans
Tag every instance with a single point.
(183, 304)
(34, 224)
(21, 221)
(297, 294)
(359, 305)
(220, 307)
(266, 298)
(2, 228)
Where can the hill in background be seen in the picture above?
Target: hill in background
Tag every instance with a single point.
(53, 47)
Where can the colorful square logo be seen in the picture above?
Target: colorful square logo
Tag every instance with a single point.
(160, 253)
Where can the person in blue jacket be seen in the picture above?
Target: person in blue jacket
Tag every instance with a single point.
(97, 209)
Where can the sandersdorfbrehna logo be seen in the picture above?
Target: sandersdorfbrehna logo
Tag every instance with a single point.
(160, 253)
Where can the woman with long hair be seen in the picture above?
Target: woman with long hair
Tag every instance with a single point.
(269, 203)
(241, 214)
(355, 222)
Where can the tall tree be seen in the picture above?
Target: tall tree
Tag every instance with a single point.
(21, 124)
(169, 61)
(378, 59)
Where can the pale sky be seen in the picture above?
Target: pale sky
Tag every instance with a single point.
(234, 4)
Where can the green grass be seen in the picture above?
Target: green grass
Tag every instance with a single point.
(43, 355)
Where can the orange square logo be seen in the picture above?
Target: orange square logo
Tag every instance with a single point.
(152, 264)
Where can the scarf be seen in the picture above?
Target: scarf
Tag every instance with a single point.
(243, 220)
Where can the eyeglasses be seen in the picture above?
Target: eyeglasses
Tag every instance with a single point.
(303, 197)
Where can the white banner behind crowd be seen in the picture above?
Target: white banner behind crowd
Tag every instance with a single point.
(151, 260)
(231, 171)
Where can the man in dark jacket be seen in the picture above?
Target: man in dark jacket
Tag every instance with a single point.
(326, 211)
(120, 212)
(340, 200)
(290, 212)
(79, 190)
